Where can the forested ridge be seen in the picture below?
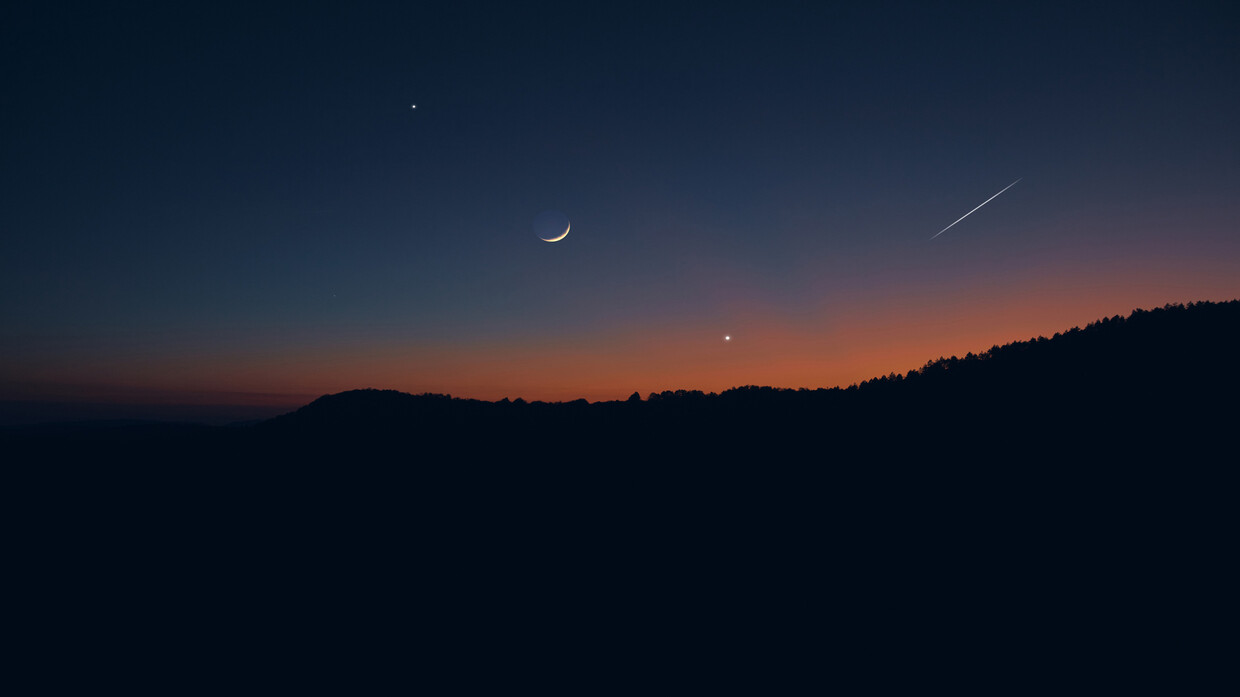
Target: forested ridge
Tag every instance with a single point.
(1075, 494)
(1167, 368)
(1156, 383)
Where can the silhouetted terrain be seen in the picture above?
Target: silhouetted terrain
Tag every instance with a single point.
(1156, 384)
(1068, 500)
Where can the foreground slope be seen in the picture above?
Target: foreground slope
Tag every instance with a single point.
(1065, 501)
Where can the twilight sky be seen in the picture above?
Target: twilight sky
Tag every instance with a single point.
(230, 205)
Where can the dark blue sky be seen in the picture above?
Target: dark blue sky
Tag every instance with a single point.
(236, 201)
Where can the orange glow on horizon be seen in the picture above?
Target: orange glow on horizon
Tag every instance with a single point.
(612, 365)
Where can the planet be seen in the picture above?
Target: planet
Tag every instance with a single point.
(551, 226)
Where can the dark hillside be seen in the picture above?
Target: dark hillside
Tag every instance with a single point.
(1157, 383)
(1067, 500)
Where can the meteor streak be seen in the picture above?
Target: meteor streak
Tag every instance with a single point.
(940, 232)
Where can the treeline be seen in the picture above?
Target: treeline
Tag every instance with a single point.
(1197, 330)
(1119, 384)
(1157, 383)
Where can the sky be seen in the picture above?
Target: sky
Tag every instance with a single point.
(236, 204)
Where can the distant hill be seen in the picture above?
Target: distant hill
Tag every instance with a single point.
(1139, 384)
(1157, 383)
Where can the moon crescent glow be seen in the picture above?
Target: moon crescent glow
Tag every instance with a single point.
(562, 235)
(551, 226)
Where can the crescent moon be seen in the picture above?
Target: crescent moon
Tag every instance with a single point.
(551, 226)
(562, 235)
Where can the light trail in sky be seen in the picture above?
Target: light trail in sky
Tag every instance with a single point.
(940, 232)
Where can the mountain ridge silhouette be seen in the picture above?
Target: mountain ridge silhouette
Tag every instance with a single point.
(1081, 481)
(1227, 311)
(1162, 367)
(1149, 375)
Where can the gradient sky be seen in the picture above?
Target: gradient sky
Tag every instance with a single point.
(236, 204)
